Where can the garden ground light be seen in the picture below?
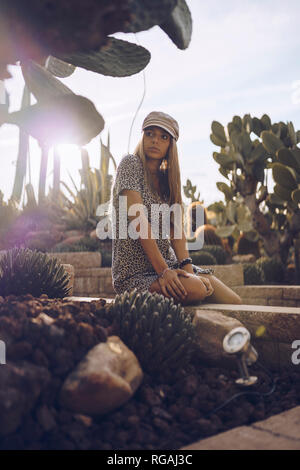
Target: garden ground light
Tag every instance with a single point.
(237, 342)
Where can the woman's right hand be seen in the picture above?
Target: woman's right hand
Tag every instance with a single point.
(209, 290)
(170, 284)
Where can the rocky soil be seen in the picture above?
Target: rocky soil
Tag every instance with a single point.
(41, 353)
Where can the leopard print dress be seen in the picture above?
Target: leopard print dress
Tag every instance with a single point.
(131, 268)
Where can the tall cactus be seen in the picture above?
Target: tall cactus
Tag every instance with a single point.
(243, 162)
(22, 154)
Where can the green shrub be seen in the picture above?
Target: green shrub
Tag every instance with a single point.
(23, 271)
(202, 257)
(217, 251)
(156, 329)
(253, 274)
(272, 269)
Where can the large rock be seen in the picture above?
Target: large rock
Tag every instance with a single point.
(20, 387)
(105, 379)
(211, 328)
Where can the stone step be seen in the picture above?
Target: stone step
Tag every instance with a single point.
(96, 279)
(230, 274)
(272, 295)
(81, 260)
(279, 432)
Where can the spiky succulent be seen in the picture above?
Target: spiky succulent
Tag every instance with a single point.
(272, 269)
(203, 257)
(23, 271)
(253, 274)
(156, 329)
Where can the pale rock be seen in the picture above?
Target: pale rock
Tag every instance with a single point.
(211, 328)
(105, 379)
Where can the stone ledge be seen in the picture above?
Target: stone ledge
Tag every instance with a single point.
(264, 291)
(280, 293)
(281, 323)
(93, 272)
(279, 432)
(82, 259)
(88, 299)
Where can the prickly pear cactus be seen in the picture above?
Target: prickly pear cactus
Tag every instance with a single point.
(156, 329)
(244, 162)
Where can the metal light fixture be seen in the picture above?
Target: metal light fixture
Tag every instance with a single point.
(237, 342)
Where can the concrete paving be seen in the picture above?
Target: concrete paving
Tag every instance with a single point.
(279, 432)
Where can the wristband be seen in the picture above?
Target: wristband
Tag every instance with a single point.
(185, 261)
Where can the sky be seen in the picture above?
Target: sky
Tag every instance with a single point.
(242, 59)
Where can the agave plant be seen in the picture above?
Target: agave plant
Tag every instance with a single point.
(81, 211)
(23, 271)
(156, 329)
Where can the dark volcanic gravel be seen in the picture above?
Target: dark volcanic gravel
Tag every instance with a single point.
(159, 416)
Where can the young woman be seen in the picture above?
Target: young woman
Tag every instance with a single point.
(151, 261)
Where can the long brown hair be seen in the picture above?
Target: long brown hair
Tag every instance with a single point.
(170, 180)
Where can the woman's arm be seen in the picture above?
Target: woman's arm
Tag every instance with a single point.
(169, 282)
(179, 246)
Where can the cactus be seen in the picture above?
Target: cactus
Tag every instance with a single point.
(179, 25)
(253, 274)
(117, 59)
(217, 251)
(62, 46)
(156, 329)
(232, 218)
(203, 257)
(190, 190)
(244, 163)
(207, 233)
(245, 246)
(62, 28)
(272, 269)
(23, 271)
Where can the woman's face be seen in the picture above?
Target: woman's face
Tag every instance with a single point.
(156, 142)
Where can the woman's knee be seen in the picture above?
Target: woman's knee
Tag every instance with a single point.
(196, 290)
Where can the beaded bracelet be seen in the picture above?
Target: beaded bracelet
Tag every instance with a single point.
(185, 261)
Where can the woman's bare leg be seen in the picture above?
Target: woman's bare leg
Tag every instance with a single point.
(222, 294)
